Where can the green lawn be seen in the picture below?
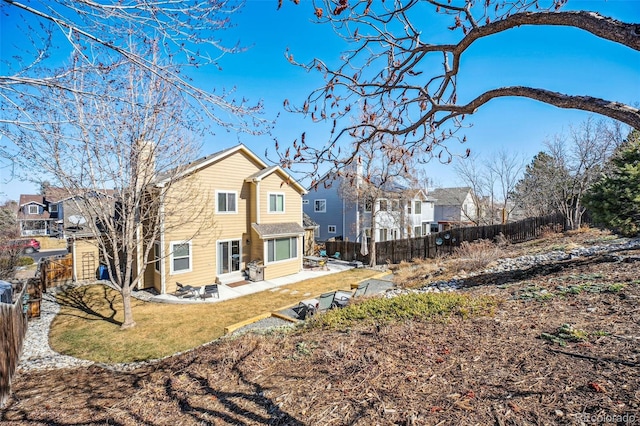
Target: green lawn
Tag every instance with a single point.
(88, 325)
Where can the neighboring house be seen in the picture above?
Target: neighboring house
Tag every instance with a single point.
(401, 213)
(454, 207)
(256, 220)
(55, 214)
(34, 217)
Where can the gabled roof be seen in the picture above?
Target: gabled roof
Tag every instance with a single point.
(217, 156)
(205, 161)
(419, 194)
(31, 199)
(261, 174)
(450, 196)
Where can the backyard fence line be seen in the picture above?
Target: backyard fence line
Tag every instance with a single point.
(444, 242)
(13, 328)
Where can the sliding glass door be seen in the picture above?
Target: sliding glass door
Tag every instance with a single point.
(228, 256)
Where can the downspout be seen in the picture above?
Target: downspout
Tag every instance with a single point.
(257, 201)
(139, 258)
(343, 219)
(163, 279)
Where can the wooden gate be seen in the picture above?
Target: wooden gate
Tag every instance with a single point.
(56, 271)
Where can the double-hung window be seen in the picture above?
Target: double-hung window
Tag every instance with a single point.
(282, 249)
(180, 256)
(276, 203)
(226, 202)
(33, 209)
(320, 206)
(418, 208)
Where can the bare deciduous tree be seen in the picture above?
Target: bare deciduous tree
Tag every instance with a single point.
(108, 152)
(185, 33)
(395, 65)
(560, 176)
(492, 181)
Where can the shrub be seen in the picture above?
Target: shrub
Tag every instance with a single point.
(413, 274)
(475, 255)
(421, 306)
(25, 261)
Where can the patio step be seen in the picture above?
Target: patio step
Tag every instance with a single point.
(232, 278)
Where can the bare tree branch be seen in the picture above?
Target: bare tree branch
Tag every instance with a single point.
(409, 78)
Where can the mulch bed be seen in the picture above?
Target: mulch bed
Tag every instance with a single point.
(512, 368)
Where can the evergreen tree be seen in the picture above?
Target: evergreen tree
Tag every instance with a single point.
(615, 199)
(533, 192)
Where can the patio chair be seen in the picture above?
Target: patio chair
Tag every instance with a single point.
(341, 298)
(336, 255)
(323, 253)
(303, 311)
(326, 301)
(210, 290)
(183, 290)
(362, 289)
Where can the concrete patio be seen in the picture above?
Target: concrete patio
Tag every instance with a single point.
(226, 292)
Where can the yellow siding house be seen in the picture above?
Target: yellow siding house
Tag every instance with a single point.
(252, 216)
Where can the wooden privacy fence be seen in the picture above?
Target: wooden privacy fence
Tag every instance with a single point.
(56, 270)
(444, 242)
(13, 327)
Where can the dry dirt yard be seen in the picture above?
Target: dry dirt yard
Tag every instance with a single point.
(563, 347)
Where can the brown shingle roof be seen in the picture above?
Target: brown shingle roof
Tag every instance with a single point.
(30, 198)
(276, 229)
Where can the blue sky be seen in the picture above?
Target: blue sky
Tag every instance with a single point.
(561, 59)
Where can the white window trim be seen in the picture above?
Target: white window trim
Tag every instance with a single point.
(53, 208)
(33, 205)
(335, 229)
(269, 194)
(157, 258)
(222, 191)
(315, 208)
(172, 272)
(273, 262)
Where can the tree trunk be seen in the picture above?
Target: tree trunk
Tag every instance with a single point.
(128, 313)
(372, 250)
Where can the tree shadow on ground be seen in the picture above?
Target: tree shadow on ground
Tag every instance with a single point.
(241, 407)
(508, 277)
(84, 298)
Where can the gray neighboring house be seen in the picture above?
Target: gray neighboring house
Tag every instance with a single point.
(455, 207)
(404, 213)
(330, 212)
(55, 214)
